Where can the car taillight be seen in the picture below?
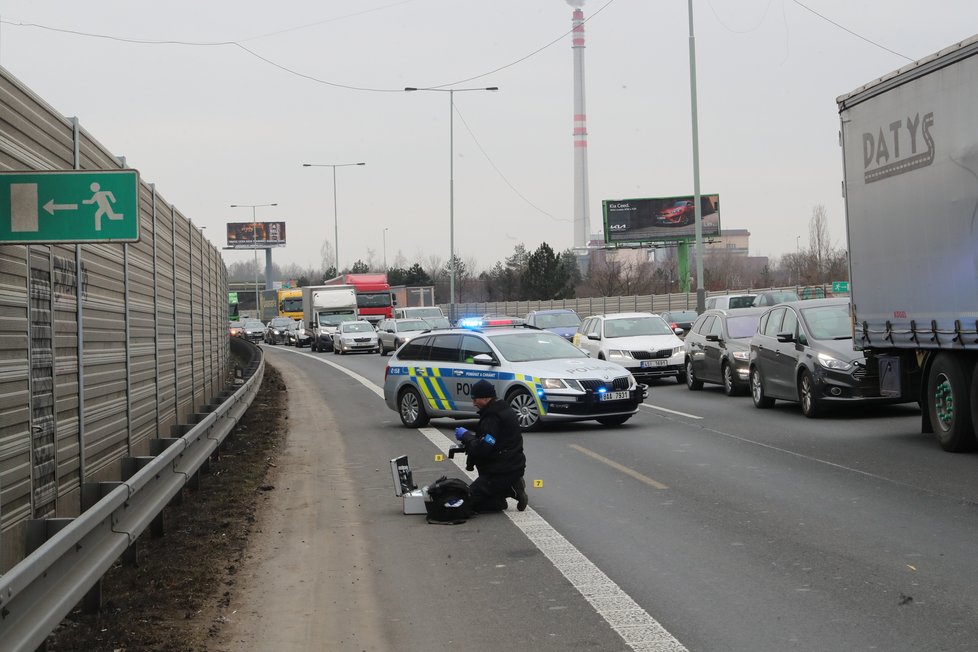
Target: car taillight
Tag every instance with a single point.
(387, 370)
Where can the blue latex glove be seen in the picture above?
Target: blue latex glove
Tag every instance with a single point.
(460, 432)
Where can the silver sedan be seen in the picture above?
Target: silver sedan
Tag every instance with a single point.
(392, 333)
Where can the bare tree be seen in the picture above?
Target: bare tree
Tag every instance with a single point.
(327, 256)
(636, 278)
(399, 260)
(433, 267)
(603, 278)
(819, 245)
(724, 270)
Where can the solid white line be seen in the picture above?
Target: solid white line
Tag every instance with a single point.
(662, 409)
(366, 382)
(640, 631)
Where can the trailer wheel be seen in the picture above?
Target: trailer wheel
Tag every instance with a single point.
(950, 408)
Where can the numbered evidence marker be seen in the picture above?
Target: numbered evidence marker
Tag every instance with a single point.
(70, 206)
(538, 484)
(439, 457)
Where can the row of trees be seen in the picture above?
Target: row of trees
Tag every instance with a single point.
(545, 274)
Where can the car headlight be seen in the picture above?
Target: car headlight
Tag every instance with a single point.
(829, 362)
(741, 355)
(553, 383)
(619, 353)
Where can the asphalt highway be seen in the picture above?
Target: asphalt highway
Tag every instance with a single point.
(701, 524)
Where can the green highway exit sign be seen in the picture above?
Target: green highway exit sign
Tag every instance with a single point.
(69, 206)
(840, 286)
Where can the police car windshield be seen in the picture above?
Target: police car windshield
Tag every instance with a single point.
(535, 345)
(631, 326)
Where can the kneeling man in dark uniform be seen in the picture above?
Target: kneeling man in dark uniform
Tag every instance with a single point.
(495, 449)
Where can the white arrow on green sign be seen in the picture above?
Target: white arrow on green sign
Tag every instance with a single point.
(69, 206)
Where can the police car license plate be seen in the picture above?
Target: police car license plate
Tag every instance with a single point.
(614, 396)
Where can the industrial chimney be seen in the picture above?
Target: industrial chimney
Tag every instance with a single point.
(582, 219)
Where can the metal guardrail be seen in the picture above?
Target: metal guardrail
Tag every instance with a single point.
(37, 593)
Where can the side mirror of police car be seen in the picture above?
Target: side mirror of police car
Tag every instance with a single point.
(484, 358)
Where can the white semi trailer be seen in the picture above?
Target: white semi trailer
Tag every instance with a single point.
(910, 151)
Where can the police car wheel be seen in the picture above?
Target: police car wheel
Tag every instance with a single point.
(527, 410)
(411, 409)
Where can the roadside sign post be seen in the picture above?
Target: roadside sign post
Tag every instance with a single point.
(69, 206)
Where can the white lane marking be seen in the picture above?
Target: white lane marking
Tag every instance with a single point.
(641, 477)
(640, 631)
(662, 409)
(366, 382)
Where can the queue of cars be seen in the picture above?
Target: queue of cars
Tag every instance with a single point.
(553, 366)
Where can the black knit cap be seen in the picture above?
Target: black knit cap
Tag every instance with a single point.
(483, 389)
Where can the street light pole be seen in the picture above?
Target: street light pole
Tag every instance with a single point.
(700, 287)
(254, 245)
(451, 183)
(385, 249)
(336, 223)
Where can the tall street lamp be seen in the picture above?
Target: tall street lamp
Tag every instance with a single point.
(451, 182)
(385, 249)
(336, 224)
(254, 245)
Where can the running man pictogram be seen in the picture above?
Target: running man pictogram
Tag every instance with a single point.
(104, 200)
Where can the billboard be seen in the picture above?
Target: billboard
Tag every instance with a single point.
(658, 219)
(251, 235)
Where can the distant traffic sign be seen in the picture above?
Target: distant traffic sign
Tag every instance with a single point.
(69, 206)
(840, 286)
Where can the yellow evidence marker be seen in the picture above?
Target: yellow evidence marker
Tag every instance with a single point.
(538, 484)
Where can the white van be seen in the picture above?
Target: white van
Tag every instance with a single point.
(728, 301)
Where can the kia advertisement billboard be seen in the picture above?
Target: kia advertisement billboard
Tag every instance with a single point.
(659, 219)
(252, 235)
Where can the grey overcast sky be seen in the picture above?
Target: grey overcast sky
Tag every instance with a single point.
(243, 92)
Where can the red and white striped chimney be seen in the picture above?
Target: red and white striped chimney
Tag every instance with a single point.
(582, 219)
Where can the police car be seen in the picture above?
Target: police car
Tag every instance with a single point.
(540, 374)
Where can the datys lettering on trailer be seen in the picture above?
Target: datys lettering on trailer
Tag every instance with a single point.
(885, 153)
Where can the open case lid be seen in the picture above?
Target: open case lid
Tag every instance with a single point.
(401, 474)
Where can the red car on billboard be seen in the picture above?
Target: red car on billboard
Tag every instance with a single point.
(681, 212)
